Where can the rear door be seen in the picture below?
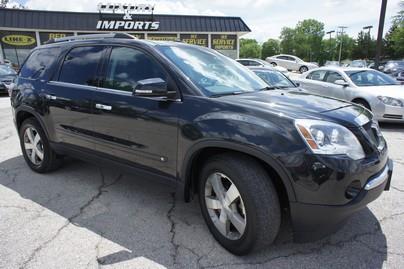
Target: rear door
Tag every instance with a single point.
(334, 90)
(314, 82)
(140, 130)
(70, 93)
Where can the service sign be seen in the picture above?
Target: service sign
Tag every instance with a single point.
(224, 42)
(162, 37)
(45, 36)
(18, 39)
(195, 39)
(128, 20)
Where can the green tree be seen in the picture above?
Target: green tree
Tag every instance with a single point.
(348, 44)
(394, 40)
(309, 35)
(288, 40)
(270, 47)
(249, 48)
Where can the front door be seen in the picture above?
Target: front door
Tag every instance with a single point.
(140, 130)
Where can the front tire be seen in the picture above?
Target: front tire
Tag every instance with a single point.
(239, 203)
(35, 147)
(274, 64)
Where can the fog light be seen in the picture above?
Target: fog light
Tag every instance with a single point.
(353, 189)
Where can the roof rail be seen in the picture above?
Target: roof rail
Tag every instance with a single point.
(89, 37)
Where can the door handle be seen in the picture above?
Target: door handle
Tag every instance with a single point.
(103, 107)
(50, 97)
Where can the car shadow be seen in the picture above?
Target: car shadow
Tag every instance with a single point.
(146, 219)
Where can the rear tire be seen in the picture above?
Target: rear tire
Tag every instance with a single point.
(252, 203)
(303, 69)
(36, 149)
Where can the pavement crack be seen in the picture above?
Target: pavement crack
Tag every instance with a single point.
(397, 189)
(70, 220)
(173, 228)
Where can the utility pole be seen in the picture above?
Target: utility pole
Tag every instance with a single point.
(380, 33)
(368, 28)
(331, 54)
(341, 32)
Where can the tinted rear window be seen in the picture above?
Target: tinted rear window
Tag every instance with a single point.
(38, 62)
(80, 65)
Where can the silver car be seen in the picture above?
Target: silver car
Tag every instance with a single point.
(261, 63)
(290, 62)
(372, 89)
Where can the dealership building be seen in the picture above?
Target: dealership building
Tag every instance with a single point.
(21, 29)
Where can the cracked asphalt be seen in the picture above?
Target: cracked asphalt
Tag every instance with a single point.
(84, 216)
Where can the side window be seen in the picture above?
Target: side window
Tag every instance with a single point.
(127, 66)
(290, 59)
(80, 65)
(282, 57)
(243, 62)
(254, 63)
(38, 61)
(317, 75)
(333, 76)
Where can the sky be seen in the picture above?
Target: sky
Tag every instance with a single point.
(264, 17)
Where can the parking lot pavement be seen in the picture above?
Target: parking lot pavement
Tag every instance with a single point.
(84, 216)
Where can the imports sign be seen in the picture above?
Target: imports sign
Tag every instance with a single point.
(195, 39)
(128, 22)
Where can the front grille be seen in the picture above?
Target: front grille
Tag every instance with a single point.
(391, 116)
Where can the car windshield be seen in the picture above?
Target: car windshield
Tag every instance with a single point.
(5, 70)
(358, 63)
(370, 78)
(213, 73)
(274, 79)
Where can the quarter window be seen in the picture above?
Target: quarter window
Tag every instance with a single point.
(38, 61)
(80, 65)
(127, 66)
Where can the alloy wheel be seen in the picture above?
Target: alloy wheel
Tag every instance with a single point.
(225, 206)
(33, 146)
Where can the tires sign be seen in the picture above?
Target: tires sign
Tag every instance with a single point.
(18, 40)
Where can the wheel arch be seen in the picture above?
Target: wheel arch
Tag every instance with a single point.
(361, 99)
(196, 156)
(24, 113)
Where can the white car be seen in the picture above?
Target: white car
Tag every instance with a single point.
(370, 88)
(290, 62)
(261, 63)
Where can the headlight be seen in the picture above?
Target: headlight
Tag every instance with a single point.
(329, 138)
(390, 101)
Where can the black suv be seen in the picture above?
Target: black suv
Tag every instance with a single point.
(192, 116)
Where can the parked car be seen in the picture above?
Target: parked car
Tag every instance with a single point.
(393, 68)
(372, 89)
(275, 79)
(7, 76)
(359, 63)
(259, 62)
(188, 115)
(291, 62)
(331, 63)
(400, 77)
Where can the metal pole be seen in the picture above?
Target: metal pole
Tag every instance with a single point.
(331, 54)
(368, 43)
(340, 45)
(380, 33)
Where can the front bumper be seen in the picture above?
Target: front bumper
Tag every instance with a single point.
(386, 113)
(314, 221)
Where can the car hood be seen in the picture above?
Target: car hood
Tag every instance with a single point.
(299, 104)
(395, 91)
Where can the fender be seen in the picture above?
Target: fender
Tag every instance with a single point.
(192, 152)
(37, 116)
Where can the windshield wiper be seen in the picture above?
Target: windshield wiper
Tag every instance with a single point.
(226, 93)
(269, 88)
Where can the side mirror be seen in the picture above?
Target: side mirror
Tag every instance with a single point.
(152, 87)
(341, 82)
